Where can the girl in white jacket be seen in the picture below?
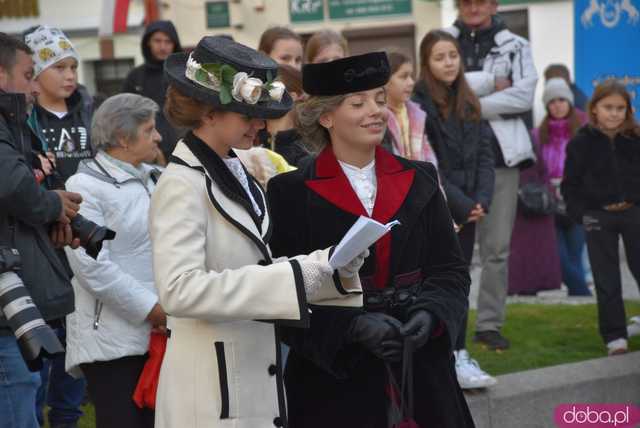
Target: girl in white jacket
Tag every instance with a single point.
(116, 301)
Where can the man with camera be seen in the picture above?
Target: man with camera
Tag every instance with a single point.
(33, 221)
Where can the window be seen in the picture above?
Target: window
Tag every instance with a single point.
(110, 75)
(517, 21)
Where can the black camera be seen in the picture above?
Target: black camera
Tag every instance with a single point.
(35, 338)
(90, 234)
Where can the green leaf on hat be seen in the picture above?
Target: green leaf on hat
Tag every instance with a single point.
(212, 68)
(201, 75)
(225, 95)
(227, 73)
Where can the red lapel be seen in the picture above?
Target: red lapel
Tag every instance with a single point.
(333, 185)
(394, 183)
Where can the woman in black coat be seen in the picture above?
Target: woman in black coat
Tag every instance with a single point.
(462, 143)
(415, 281)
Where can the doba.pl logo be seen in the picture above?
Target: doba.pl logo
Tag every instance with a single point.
(597, 415)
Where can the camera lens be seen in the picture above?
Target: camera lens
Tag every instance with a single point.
(90, 234)
(35, 338)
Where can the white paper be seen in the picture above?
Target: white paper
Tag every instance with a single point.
(364, 233)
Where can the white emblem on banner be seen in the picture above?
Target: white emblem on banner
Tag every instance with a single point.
(610, 12)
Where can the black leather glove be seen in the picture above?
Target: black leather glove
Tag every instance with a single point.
(418, 328)
(378, 333)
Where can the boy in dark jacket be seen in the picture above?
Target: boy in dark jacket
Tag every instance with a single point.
(60, 117)
(159, 41)
(62, 122)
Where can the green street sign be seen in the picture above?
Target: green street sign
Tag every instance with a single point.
(306, 10)
(344, 9)
(218, 14)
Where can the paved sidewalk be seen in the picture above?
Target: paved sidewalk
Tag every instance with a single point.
(629, 290)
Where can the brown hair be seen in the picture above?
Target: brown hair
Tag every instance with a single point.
(291, 77)
(612, 87)
(458, 2)
(557, 70)
(462, 101)
(183, 111)
(397, 58)
(574, 124)
(9, 47)
(272, 35)
(320, 40)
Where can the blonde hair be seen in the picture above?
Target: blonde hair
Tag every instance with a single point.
(307, 119)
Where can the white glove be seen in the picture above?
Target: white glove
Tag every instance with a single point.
(314, 273)
(353, 267)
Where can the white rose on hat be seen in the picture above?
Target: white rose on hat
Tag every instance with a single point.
(277, 90)
(245, 88)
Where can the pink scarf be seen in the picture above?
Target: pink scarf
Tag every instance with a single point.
(420, 148)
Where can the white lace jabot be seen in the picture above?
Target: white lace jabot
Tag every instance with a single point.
(235, 166)
(364, 183)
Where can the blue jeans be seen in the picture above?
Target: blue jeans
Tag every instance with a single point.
(60, 391)
(571, 244)
(18, 387)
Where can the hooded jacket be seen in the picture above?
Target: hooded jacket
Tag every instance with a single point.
(600, 171)
(67, 137)
(498, 51)
(148, 80)
(26, 211)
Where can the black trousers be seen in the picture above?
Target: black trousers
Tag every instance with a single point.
(467, 238)
(603, 230)
(111, 385)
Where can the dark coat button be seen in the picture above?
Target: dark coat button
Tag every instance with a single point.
(278, 421)
(272, 370)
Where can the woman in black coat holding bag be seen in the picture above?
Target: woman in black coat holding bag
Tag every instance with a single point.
(340, 372)
(462, 143)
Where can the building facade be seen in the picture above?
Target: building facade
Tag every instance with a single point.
(367, 25)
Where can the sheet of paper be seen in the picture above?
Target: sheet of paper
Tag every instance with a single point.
(364, 233)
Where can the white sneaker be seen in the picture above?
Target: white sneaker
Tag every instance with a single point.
(618, 346)
(633, 329)
(469, 373)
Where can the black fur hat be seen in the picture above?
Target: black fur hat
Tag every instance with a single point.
(346, 75)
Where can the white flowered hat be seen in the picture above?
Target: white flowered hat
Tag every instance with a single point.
(49, 45)
(230, 76)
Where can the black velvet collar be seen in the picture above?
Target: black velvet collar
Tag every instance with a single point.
(224, 178)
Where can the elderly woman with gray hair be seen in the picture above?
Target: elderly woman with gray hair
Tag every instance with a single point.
(116, 301)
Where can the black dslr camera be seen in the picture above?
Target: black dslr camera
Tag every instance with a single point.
(90, 234)
(35, 338)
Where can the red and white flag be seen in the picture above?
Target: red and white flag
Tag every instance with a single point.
(114, 17)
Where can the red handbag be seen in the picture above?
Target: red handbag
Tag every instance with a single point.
(145, 393)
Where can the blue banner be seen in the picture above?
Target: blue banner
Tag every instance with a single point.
(607, 44)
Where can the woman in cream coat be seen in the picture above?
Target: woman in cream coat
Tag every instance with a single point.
(210, 229)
